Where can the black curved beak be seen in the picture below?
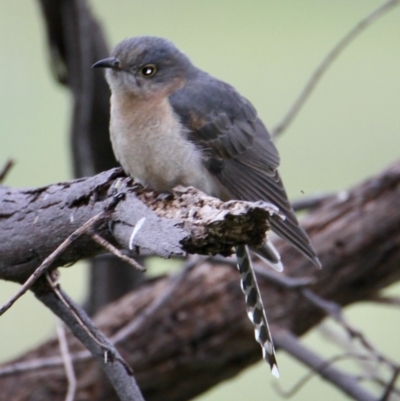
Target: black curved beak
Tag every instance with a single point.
(110, 62)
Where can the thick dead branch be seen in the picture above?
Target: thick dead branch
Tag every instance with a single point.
(200, 334)
(75, 42)
(33, 223)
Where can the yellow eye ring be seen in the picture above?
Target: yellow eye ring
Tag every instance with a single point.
(148, 70)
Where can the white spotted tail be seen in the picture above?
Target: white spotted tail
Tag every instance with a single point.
(255, 307)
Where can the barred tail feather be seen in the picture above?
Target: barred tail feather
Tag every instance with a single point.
(255, 307)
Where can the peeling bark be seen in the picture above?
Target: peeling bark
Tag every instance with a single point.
(34, 222)
(199, 334)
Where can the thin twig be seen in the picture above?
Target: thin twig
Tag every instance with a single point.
(327, 61)
(342, 341)
(343, 381)
(382, 383)
(145, 317)
(66, 357)
(112, 249)
(394, 301)
(281, 280)
(85, 228)
(55, 286)
(49, 260)
(334, 310)
(41, 363)
(313, 372)
(391, 386)
(120, 374)
(6, 168)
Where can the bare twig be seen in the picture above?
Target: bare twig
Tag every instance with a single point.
(142, 319)
(107, 350)
(378, 381)
(114, 366)
(112, 249)
(263, 271)
(371, 260)
(314, 372)
(394, 301)
(66, 356)
(391, 386)
(327, 61)
(85, 228)
(6, 168)
(145, 318)
(49, 260)
(41, 363)
(69, 306)
(281, 280)
(343, 381)
(335, 311)
(342, 340)
(374, 379)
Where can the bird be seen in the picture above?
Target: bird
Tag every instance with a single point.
(174, 124)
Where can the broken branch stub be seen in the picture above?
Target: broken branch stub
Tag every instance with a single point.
(213, 226)
(35, 222)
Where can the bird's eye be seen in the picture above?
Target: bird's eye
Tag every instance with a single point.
(148, 70)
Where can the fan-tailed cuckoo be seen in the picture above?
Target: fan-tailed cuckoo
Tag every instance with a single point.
(174, 124)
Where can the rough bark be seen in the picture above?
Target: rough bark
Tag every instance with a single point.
(199, 334)
(76, 41)
(33, 223)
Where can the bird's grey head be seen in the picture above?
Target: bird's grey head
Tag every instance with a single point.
(145, 67)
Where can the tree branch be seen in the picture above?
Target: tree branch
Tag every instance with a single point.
(327, 62)
(5, 169)
(290, 343)
(105, 353)
(71, 213)
(75, 42)
(66, 356)
(199, 334)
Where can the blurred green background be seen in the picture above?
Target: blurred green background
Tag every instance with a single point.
(348, 130)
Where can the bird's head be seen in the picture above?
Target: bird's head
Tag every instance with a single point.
(146, 67)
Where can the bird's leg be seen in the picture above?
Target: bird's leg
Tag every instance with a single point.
(255, 307)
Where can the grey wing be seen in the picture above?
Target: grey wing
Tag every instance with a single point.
(237, 149)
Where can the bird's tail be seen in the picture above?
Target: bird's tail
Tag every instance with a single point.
(268, 253)
(255, 307)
